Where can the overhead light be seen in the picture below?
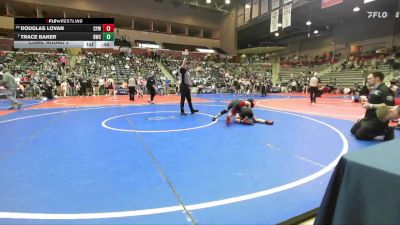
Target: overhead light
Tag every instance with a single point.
(205, 50)
(247, 6)
(276, 34)
(208, 1)
(279, 25)
(315, 31)
(308, 23)
(356, 9)
(227, 2)
(367, 1)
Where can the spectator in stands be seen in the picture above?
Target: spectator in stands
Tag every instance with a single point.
(89, 86)
(71, 86)
(110, 86)
(58, 85)
(263, 89)
(132, 83)
(167, 87)
(37, 92)
(96, 86)
(140, 87)
(102, 88)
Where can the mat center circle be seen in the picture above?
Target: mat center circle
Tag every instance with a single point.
(157, 122)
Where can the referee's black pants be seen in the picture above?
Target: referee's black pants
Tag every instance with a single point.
(185, 93)
(313, 94)
(152, 91)
(368, 129)
(132, 92)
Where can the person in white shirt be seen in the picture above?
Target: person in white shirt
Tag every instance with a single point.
(110, 85)
(314, 83)
(102, 89)
(132, 87)
(64, 89)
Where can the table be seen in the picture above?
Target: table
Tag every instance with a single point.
(364, 188)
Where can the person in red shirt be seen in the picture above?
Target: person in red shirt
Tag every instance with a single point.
(233, 108)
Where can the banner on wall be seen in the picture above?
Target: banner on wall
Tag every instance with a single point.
(287, 16)
(286, 1)
(264, 6)
(240, 18)
(247, 11)
(329, 3)
(256, 9)
(274, 4)
(274, 21)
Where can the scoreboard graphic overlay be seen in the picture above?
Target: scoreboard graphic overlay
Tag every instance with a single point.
(64, 33)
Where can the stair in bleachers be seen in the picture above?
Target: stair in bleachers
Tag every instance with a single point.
(165, 71)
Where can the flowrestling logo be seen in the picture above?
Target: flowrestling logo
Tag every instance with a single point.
(378, 15)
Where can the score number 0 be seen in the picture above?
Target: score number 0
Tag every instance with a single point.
(108, 27)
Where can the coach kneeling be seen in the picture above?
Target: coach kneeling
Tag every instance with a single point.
(370, 126)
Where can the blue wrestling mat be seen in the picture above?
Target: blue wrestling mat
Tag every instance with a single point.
(149, 165)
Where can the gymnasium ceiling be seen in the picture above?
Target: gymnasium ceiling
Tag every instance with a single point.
(257, 33)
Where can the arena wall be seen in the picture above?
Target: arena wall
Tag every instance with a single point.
(139, 8)
(133, 35)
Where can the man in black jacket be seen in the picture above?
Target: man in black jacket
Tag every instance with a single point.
(151, 87)
(370, 126)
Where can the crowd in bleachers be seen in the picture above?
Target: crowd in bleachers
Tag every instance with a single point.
(371, 60)
(296, 83)
(305, 61)
(50, 74)
(46, 74)
(212, 77)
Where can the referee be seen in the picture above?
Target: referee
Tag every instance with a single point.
(185, 89)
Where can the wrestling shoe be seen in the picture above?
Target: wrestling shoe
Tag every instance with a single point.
(214, 118)
(269, 122)
(19, 105)
(228, 120)
(194, 111)
(389, 134)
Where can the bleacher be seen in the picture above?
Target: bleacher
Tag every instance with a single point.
(33, 62)
(116, 67)
(347, 78)
(285, 72)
